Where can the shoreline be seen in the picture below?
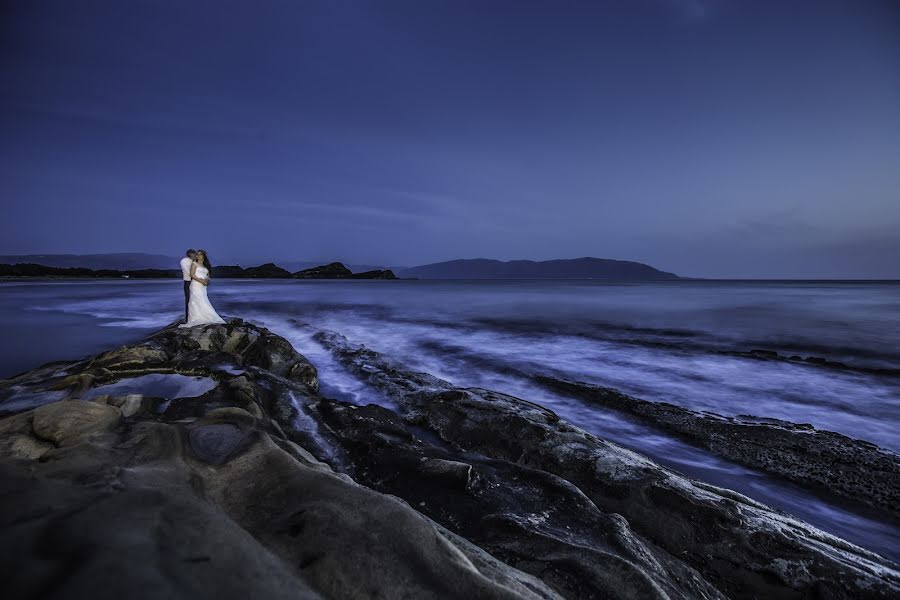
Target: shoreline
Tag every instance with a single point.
(684, 280)
(453, 455)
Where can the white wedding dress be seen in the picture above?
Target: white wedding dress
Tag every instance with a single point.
(200, 311)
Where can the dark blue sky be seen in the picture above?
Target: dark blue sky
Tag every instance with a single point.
(711, 138)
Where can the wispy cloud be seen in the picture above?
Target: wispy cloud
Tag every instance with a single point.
(691, 11)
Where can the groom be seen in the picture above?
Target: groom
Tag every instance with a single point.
(186, 276)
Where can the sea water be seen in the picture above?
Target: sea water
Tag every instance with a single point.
(681, 342)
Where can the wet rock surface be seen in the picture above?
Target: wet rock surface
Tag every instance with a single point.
(845, 466)
(261, 486)
(741, 547)
(531, 519)
(817, 361)
(149, 497)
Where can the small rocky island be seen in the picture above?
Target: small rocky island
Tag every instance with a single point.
(337, 270)
(251, 483)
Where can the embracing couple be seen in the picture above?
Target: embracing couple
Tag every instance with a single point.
(196, 270)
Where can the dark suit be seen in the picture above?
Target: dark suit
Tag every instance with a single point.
(187, 298)
(185, 271)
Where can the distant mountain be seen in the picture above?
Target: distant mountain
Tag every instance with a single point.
(125, 261)
(121, 261)
(573, 268)
(478, 268)
(266, 271)
(33, 270)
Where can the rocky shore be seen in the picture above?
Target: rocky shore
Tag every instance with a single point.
(854, 469)
(255, 484)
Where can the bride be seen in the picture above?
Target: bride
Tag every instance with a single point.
(200, 311)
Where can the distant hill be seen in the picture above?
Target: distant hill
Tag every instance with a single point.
(333, 270)
(266, 271)
(301, 265)
(125, 261)
(337, 270)
(478, 268)
(121, 261)
(573, 268)
(33, 270)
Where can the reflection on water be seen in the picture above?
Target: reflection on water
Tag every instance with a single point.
(20, 398)
(661, 341)
(155, 385)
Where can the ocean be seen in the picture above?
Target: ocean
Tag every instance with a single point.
(690, 343)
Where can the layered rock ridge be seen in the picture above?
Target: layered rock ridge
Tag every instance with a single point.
(855, 469)
(741, 547)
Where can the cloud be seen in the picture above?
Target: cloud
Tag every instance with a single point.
(691, 11)
(786, 225)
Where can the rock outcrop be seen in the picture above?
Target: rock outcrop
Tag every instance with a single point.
(852, 468)
(376, 274)
(743, 548)
(261, 486)
(337, 270)
(228, 272)
(266, 271)
(333, 270)
(147, 497)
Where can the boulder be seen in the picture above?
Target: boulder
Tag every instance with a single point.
(67, 422)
